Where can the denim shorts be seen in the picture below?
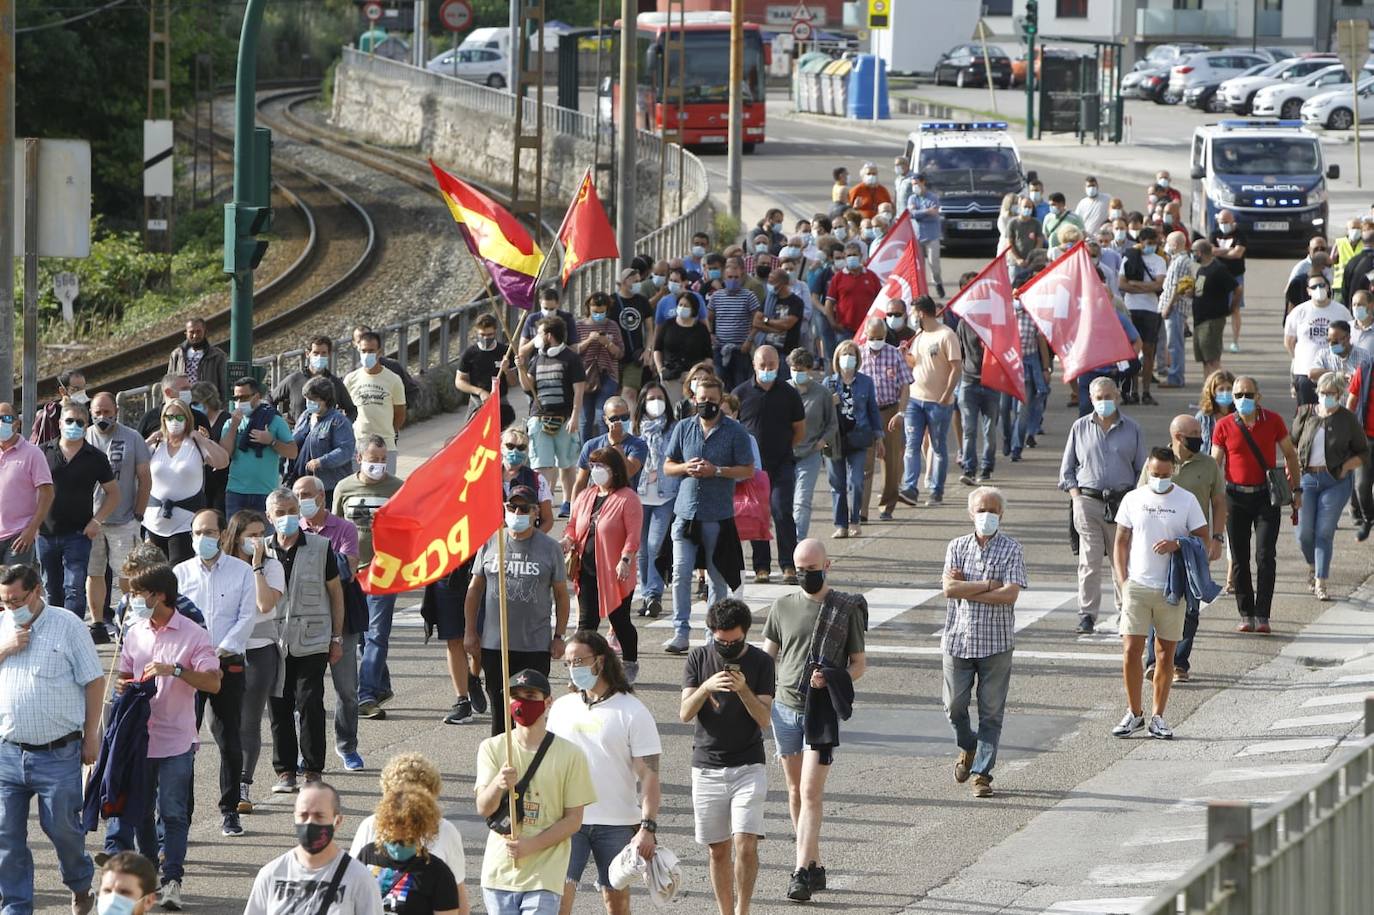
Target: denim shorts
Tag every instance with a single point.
(789, 730)
(551, 450)
(602, 844)
(531, 902)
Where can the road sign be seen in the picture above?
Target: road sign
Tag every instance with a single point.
(66, 286)
(372, 10)
(879, 14)
(64, 198)
(802, 13)
(801, 31)
(1352, 43)
(456, 15)
(158, 175)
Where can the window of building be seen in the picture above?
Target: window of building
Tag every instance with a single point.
(1071, 9)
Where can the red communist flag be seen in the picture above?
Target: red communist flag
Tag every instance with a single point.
(586, 233)
(445, 510)
(905, 282)
(884, 257)
(1073, 309)
(985, 305)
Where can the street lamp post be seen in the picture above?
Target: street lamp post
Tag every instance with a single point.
(250, 212)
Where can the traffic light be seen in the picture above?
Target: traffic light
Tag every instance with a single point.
(243, 222)
(1032, 16)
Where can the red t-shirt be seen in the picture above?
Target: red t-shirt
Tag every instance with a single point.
(1241, 467)
(1368, 417)
(853, 294)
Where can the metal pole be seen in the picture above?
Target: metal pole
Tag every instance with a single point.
(987, 63)
(420, 33)
(245, 117)
(873, 49)
(513, 79)
(1030, 86)
(735, 150)
(30, 280)
(625, 140)
(7, 202)
(1355, 105)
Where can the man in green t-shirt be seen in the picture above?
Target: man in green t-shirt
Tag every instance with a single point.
(257, 438)
(525, 875)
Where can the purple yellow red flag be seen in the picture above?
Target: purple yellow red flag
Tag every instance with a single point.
(494, 237)
(586, 233)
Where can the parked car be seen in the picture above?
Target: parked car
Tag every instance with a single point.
(1154, 86)
(965, 65)
(1335, 109)
(1206, 96)
(1239, 91)
(1166, 55)
(1199, 68)
(488, 66)
(1285, 100)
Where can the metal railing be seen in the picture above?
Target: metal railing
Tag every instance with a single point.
(1312, 852)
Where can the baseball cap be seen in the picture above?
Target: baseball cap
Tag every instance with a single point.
(530, 679)
(522, 492)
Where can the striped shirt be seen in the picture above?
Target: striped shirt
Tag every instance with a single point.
(597, 355)
(43, 687)
(889, 371)
(733, 314)
(974, 629)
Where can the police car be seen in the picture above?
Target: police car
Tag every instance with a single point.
(1271, 174)
(972, 165)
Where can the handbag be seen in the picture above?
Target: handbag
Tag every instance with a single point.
(1280, 493)
(499, 820)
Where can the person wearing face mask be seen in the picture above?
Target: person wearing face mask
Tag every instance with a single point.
(892, 379)
(1229, 242)
(164, 644)
(984, 573)
(311, 618)
(935, 356)
(549, 307)
(1343, 251)
(1339, 355)
(1305, 335)
(481, 363)
(324, 439)
(47, 424)
(666, 308)
(411, 879)
(1025, 234)
(256, 438)
(1058, 218)
(1142, 281)
(1035, 191)
(50, 707)
(557, 383)
(1121, 235)
(632, 448)
(783, 315)
(126, 885)
(733, 313)
(1331, 446)
(1163, 188)
(174, 388)
(635, 316)
(712, 277)
(683, 339)
(1103, 457)
(128, 455)
(851, 294)
(1092, 210)
(694, 262)
(1154, 522)
(654, 423)
(528, 874)
(1318, 265)
(616, 732)
(206, 398)
(1244, 445)
(1362, 327)
(380, 395)
(1109, 258)
(900, 328)
(177, 489)
(860, 425)
(223, 587)
(601, 347)
(1214, 402)
(198, 359)
(1175, 302)
(924, 206)
(868, 193)
(816, 639)
(1215, 291)
(316, 875)
(289, 394)
(821, 436)
(727, 693)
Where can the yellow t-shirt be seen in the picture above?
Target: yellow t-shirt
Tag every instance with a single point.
(563, 781)
(375, 396)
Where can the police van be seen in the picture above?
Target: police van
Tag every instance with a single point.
(972, 165)
(1271, 174)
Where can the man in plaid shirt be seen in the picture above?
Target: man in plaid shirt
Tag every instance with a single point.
(892, 378)
(984, 573)
(1021, 421)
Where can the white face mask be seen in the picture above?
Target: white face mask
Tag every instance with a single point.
(870, 180)
(655, 408)
(374, 470)
(876, 346)
(555, 349)
(601, 475)
(985, 524)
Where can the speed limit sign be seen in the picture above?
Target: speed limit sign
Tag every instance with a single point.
(372, 10)
(456, 15)
(801, 31)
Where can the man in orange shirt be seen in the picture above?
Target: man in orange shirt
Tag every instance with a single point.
(868, 194)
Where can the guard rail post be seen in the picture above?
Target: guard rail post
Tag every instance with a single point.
(1369, 715)
(1229, 822)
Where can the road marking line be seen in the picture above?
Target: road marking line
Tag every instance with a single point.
(1196, 832)
(1296, 745)
(1342, 699)
(1130, 873)
(886, 604)
(1318, 720)
(1025, 655)
(1280, 770)
(1353, 679)
(1121, 905)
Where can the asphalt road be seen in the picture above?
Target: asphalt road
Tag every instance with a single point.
(1072, 818)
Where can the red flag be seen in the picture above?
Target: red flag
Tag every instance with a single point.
(884, 257)
(586, 233)
(985, 305)
(906, 282)
(1073, 309)
(442, 513)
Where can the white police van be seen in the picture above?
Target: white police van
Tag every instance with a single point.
(1271, 174)
(972, 165)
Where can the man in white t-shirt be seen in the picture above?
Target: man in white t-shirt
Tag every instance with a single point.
(1142, 279)
(1149, 524)
(297, 882)
(1305, 334)
(620, 739)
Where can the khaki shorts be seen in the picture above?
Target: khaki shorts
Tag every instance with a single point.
(1143, 607)
(1207, 336)
(729, 802)
(112, 548)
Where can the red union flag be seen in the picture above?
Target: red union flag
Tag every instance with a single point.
(905, 283)
(586, 233)
(985, 305)
(887, 253)
(442, 513)
(1073, 309)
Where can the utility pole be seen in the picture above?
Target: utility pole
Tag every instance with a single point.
(513, 74)
(421, 34)
(735, 166)
(7, 201)
(625, 137)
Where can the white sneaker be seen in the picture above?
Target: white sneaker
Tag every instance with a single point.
(1159, 730)
(169, 897)
(1129, 725)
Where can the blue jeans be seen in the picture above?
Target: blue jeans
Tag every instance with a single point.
(593, 421)
(1184, 650)
(170, 779)
(509, 902)
(993, 674)
(235, 502)
(1174, 332)
(1025, 417)
(847, 487)
(375, 677)
(657, 518)
(808, 474)
(1323, 499)
(601, 844)
(978, 406)
(345, 677)
(54, 777)
(926, 416)
(684, 563)
(783, 480)
(63, 558)
(825, 332)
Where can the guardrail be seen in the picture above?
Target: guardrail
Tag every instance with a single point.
(1310, 853)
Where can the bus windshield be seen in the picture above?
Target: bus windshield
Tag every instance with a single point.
(706, 76)
(1266, 156)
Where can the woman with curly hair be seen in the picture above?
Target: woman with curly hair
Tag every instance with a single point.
(411, 879)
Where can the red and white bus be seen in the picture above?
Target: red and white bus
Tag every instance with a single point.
(705, 78)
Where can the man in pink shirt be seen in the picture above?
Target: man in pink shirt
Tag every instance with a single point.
(164, 644)
(25, 491)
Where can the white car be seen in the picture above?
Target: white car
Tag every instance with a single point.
(1335, 110)
(1238, 93)
(488, 66)
(1211, 65)
(1285, 100)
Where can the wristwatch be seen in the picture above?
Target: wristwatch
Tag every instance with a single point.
(178, 670)
(1219, 538)
(649, 825)
(336, 639)
(717, 470)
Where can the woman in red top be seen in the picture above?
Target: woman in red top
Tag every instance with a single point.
(603, 533)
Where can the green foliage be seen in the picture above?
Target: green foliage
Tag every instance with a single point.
(574, 12)
(725, 228)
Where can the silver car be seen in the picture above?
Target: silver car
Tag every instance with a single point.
(1201, 68)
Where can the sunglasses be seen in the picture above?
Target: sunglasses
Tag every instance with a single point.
(519, 509)
(619, 418)
(1245, 395)
(514, 447)
(72, 421)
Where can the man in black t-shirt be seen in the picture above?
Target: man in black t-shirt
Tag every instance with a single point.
(556, 379)
(634, 314)
(784, 310)
(478, 364)
(1229, 242)
(1215, 290)
(64, 538)
(727, 688)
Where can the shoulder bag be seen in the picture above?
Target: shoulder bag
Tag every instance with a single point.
(499, 821)
(328, 899)
(1280, 493)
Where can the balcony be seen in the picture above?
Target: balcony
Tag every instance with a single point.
(1269, 24)
(1164, 23)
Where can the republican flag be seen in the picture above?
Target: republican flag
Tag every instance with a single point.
(586, 233)
(442, 513)
(1073, 309)
(985, 305)
(887, 253)
(906, 282)
(494, 237)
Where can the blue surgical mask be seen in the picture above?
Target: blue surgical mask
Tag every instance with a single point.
(198, 406)
(658, 279)
(1224, 398)
(114, 904)
(713, 273)
(138, 606)
(287, 525)
(517, 522)
(1160, 484)
(21, 615)
(733, 284)
(870, 234)
(760, 248)
(853, 261)
(685, 312)
(599, 317)
(802, 378)
(73, 433)
(1361, 313)
(243, 406)
(369, 360)
(1338, 349)
(1027, 211)
(698, 251)
(583, 678)
(768, 376)
(675, 288)
(1147, 249)
(319, 363)
(514, 457)
(986, 523)
(1226, 228)
(1246, 405)
(6, 431)
(790, 251)
(309, 507)
(772, 289)
(399, 851)
(207, 547)
(1104, 408)
(312, 406)
(1329, 401)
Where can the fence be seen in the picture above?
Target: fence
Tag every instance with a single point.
(1312, 852)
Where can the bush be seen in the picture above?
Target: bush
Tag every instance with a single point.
(725, 228)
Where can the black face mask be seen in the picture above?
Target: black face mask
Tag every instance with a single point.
(314, 837)
(730, 652)
(762, 272)
(812, 580)
(708, 410)
(1193, 443)
(104, 424)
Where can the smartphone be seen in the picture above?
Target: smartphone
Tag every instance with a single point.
(731, 668)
